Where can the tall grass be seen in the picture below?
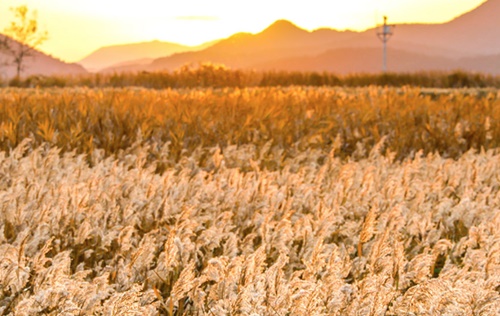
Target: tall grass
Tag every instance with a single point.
(218, 76)
(249, 201)
(371, 237)
(287, 120)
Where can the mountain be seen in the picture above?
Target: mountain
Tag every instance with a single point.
(363, 59)
(118, 54)
(282, 39)
(38, 64)
(468, 42)
(473, 33)
(486, 64)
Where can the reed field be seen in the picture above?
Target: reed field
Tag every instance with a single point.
(292, 200)
(209, 75)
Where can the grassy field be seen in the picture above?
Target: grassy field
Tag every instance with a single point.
(207, 75)
(249, 201)
(286, 121)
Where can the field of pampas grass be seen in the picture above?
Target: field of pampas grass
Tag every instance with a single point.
(319, 236)
(256, 201)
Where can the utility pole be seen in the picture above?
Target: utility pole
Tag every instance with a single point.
(384, 36)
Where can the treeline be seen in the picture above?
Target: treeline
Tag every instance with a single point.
(216, 76)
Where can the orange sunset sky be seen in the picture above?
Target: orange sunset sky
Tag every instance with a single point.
(76, 28)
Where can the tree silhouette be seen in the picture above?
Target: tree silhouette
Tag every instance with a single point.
(22, 37)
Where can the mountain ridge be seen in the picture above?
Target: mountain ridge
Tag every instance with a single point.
(37, 64)
(123, 53)
(436, 46)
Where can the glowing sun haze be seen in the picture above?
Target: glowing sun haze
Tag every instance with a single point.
(76, 28)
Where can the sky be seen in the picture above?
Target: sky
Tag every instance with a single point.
(77, 28)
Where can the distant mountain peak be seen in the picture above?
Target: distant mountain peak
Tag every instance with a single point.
(37, 64)
(282, 23)
(415, 47)
(282, 27)
(123, 54)
(485, 12)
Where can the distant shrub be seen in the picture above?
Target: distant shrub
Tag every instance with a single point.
(207, 75)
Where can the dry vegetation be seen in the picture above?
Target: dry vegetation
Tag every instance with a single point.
(216, 76)
(249, 202)
(290, 120)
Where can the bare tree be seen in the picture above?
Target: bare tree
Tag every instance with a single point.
(22, 37)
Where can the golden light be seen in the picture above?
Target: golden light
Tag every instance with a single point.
(76, 28)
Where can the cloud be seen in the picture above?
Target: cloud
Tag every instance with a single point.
(197, 18)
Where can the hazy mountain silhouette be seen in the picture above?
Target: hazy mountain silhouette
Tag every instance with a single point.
(469, 42)
(486, 64)
(128, 53)
(473, 33)
(282, 39)
(356, 60)
(38, 64)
